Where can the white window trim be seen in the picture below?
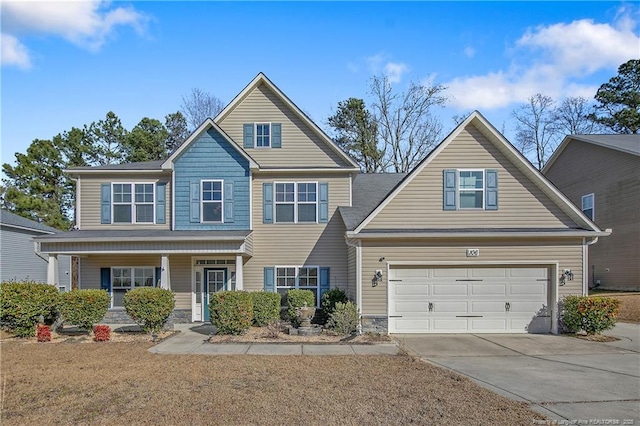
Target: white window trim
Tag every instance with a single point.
(132, 286)
(133, 203)
(593, 205)
(202, 201)
(483, 190)
(295, 201)
(297, 280)
(255, 134)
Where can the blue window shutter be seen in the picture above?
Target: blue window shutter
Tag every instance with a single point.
(269, 280)
(325, 280)
(449, 190)
(158, 275)
(323, 202)
(276, 135)
(228, 201)
(105, 203)
(194, 198)
(161, 202)
(267, 203)
(491, 190)
(247, 135)
(105, 279)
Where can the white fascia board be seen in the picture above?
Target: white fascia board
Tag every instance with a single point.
(312, 170)
(24, 228)
(98, 171)
(497, 234)
(138, 239)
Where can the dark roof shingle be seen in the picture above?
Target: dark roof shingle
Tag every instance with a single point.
(12, 219)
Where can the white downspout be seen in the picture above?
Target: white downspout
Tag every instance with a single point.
(358, 247)
(585, 264)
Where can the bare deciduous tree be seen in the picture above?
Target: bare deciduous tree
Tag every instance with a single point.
(572, 117)
(536, 128)
(405, 123)
(199, 105)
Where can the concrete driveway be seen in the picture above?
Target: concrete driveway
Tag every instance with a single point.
(564, 378)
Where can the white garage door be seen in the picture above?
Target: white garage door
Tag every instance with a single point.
(469, 300)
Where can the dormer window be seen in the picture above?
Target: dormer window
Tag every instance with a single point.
(263, 135)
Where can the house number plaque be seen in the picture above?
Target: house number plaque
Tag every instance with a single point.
(473, 252)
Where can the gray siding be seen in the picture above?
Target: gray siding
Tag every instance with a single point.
(90, 200)
(19, 261)
(568, 254)
(614, 179)
(301, 147)
(521, 203)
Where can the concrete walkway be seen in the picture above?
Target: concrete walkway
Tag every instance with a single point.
(564, 378)
(192, 339)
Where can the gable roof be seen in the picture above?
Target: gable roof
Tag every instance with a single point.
(629, 144)
(13, 220)
(369, 189)
(206, 125)
(499, 141)
(262, 79)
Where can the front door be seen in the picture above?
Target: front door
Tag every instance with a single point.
(214, 281)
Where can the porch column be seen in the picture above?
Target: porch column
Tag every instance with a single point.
(52, 270)
(239, 275)
(165, 273)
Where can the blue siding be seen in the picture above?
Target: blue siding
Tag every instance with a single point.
(211, 157)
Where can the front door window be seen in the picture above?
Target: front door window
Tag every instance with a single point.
(214, 282)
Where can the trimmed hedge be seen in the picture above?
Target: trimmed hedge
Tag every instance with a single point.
(592, 315)
(231, 312)
(328, 302)
(266, 307)
(297, 298)
(344, 318)
(84, 308)
(23, 303)
(149, 307)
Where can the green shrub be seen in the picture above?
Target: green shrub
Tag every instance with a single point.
(84, 308)
(231, 311)
(592, 315)
(297, 299)
(23, 303)
(266, 307)
(345, 318)
(328, 302)
(149, 307)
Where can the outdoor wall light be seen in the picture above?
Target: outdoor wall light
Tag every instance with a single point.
(376, 278)
(566, 275)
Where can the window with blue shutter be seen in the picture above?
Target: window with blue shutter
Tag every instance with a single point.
(276, 135)
(323, 202)
(105, 279)
(161, 197)
(325, 280)
(247, 135)
(267, 203)
(491, 190)
(269, 280)
(449, 189)
(194, 204)
(228, 201)
(105, 203)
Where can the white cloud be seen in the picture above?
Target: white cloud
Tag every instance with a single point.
(87, 24)
(552, 60)
(394, 71)
(13, 52)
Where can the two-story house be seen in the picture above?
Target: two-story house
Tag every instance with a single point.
(474, 239)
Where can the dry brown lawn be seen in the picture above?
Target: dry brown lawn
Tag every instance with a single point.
(629, 305)
(122, 383)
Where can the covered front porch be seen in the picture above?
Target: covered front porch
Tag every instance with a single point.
(192, 264)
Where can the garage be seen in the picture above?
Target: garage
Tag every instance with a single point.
(492, 299)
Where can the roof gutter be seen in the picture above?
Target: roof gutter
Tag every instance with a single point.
(132, 239)
(497, 234)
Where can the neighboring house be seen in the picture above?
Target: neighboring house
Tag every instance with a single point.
(18, 259)
(474, 239)
(601, 175)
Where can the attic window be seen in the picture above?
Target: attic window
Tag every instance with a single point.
(263, 135)
(471, 189)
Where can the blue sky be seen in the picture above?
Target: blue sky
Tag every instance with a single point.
(68, 64)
